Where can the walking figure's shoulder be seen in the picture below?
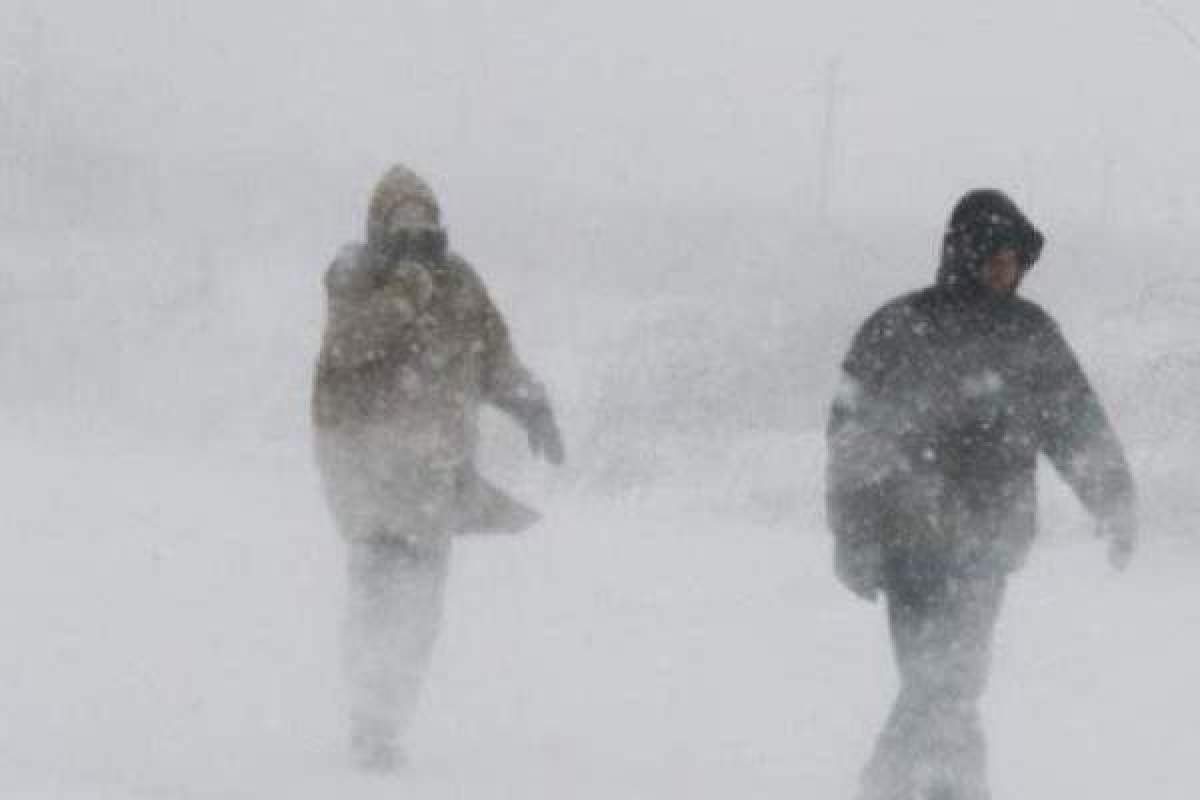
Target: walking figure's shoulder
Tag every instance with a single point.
(1033, 313)
(900, 317)
(462, 271)
(464, 288)
(347, 273)
(1038, 326)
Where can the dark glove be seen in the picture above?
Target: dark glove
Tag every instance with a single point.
(544, 439)
(1120, 530)
(859, 568)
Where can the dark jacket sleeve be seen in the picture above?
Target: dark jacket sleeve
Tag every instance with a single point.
(1075, 433)
(865, 460)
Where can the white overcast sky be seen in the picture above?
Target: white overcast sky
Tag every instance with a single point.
(670, 102)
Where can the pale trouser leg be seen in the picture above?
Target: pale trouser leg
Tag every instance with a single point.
(933, 744)
(393, 613)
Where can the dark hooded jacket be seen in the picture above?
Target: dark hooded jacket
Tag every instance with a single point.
(948, 395)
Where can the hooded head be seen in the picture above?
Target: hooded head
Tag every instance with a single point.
(985, 222)
(403, 218)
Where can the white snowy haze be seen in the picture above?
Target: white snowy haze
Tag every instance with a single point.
(684, 210)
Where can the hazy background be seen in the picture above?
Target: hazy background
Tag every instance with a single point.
(684, 211)
(160, 160)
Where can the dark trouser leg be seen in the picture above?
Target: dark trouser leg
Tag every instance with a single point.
(394, 608)
(932, 744)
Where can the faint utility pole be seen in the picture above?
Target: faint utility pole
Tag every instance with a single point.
(832, 91)
(1173, 19)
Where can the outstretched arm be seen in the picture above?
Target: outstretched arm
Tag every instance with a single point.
(512, 388)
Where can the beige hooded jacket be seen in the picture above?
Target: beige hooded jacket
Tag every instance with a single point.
(412, 346)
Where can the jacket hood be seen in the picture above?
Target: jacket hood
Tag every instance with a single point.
(984, 222)
(402, 202)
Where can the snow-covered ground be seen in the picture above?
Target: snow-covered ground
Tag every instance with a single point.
(169, 617)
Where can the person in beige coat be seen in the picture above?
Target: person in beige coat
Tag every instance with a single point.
(412, 347)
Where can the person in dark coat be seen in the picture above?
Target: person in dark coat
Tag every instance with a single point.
(947, 397)
(413, 346)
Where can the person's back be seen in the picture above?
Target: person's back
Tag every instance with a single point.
(948, 396)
